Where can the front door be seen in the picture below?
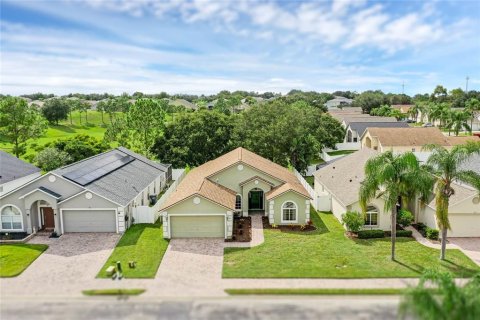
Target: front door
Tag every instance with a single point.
(48, 219)
(255, 200)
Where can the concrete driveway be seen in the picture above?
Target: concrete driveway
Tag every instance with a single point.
(469, 246)
(69, 263)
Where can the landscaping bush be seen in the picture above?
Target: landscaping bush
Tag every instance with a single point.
(404, 233)
(432, 234)
(353, 220)
(404, 218)
(370, 234)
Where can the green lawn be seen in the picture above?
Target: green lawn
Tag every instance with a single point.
(15, 258)
(142, 243)
(113, 292)
(65, 129)
(315, 291)
(327, 253)
(340, 152)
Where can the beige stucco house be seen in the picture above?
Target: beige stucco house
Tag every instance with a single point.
(239, 182)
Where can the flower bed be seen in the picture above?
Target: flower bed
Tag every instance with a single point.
(286, 228)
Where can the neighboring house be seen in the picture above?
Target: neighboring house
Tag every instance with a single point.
(93, 195)
(402, 139)
(337, 186)
(365, 118)
(340, 114)
(356, 129)
(15, 172)
(403, 108)
(182, 103)
(408, 139)
(338, 102)
(239, 182)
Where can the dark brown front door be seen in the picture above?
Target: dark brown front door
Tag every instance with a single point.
(48, 220)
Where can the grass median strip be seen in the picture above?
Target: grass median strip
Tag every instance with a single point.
(113, 292)
(315, 291)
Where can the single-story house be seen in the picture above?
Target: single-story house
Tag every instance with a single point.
(96, 194)
(239, 182)
(403, 108)
(338, 101)
(356, 129)
(14, 172)
(408, 139)
(365, 118)
(338, 184)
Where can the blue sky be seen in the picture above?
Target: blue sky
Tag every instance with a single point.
(207, 46)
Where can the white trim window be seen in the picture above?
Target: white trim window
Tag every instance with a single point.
(238, 202)
(289, 212)
(371, 217)
(11, 218)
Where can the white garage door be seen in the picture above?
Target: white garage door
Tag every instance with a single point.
(464, 225)
(197, 226)
(89, 221)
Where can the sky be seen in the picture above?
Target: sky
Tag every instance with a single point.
(202, 47)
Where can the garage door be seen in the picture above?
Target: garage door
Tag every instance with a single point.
(197, 226)
(89, 221)
(464, 225)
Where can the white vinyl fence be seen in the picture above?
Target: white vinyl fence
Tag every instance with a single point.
(308, 187)
(147, 214)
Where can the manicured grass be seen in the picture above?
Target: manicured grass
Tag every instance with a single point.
(315, 291)
(340, 152)
(113, 292)
(310, 180)
(15, 258)
(65, 129)
(142, 243)
(328, 253)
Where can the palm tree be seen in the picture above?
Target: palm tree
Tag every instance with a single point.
(457, 121)
(473, 107)
(393, 177)
(445, 166)
(444, 301)
(415, 110)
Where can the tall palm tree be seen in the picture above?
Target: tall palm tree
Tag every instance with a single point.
(393, 177)
(458, 120)
(473, 107)
(445, 166)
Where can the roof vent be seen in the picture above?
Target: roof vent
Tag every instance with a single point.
(350, 180)
(333, 167)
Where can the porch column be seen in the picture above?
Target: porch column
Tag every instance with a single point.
(56, 217)
(29, 221)
(307, 211)
(121, 219)
(271, 212)
(165, 226)
(229, 222)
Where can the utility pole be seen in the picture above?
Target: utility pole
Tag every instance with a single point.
(403, 87)
(466, 84)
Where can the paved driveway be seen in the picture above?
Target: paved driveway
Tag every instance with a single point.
(69, 263)
(470, 246)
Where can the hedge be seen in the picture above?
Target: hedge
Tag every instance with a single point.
(369, 234)
(432, 234)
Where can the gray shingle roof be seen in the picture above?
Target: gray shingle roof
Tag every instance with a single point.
(473, 164)
(343, 177)
(360, 127)
(50, 192)
(124, 183)
(12, 168)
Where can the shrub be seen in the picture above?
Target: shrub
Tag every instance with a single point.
(404, 233)
(353, 220)
(404, 218)
(51, 158)
(432, 234)
(370, 234)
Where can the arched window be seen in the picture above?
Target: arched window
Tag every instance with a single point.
(11, 218)
(238, 202)
(371, 216)
(289, 212)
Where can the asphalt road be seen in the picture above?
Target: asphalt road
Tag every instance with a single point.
(291, 308)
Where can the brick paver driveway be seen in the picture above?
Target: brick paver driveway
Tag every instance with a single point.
(69, 263)
(470, 246)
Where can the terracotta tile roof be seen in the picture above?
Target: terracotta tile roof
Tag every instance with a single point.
(408, 136)
(197, 181)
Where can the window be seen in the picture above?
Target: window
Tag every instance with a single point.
(11, 218)
(238, 202)
(371, 216)
(289, 212)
